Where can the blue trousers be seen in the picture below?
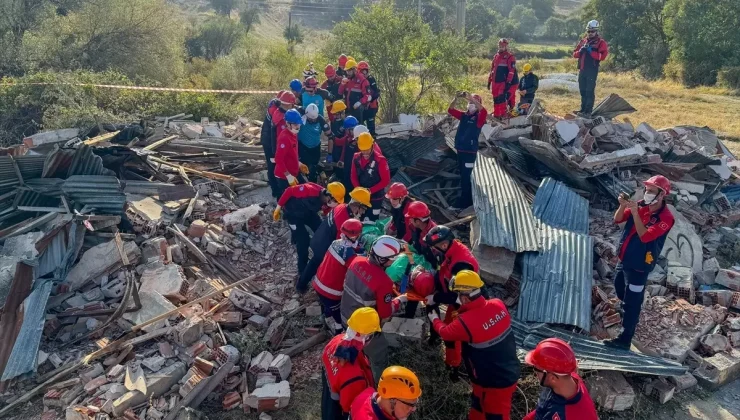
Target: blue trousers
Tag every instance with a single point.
(630, 285)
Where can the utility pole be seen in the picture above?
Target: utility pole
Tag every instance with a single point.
(461, 17)
(418, 8)
(290, 18)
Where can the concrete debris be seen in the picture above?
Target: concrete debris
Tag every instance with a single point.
(152, 305)
(402, 331)
(99, 261)
(269, 397)
(712, 344)
(660, 389)
(610, 391)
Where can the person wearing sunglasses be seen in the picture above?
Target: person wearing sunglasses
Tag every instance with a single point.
(590, 52)
(564, 395)
(483, 326)
(396, 398)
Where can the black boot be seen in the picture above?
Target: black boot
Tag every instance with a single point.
(617, 343)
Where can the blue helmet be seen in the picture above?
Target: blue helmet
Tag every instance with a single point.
(296, 85)
(293, 117)
(350, 122)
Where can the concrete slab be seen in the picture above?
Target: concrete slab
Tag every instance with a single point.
(720, 369)
(156, 385)
(270, 397)
(168, 280)
(98, 261)
(402, 331)
(610, 391)
(683, 246)
(152, 305)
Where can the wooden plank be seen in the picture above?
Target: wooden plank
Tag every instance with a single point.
(159, 143)
(101, 138)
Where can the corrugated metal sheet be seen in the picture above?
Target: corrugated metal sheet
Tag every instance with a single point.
(732, 192)
(593, 355)
(503, 211)
(63, 163)
(693, 157)
(556, 282)
(404, 152)
(26, 347)
(612, 106)
(102, 193)
(558, 206)
(144, 187)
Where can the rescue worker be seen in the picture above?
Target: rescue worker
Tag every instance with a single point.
(346, 371)
(419, 220)
(309, 139)
(501, 78)
(330, 230)
(354, 89)
(266, 140)
(397, 397)
(466, 143)
(313, 94)
(489, 347)
(287, 165)
(367, 284)
(342, 131)
(370, 170)
(350, 148)
(648, 222)
(331, 85)
(399, 226)
(329, 279)
(590, 52)
(341, 62)
(528, 85)
(564, 395)
(371, 110)
(296, 87)
(300, 206)
(454, 257)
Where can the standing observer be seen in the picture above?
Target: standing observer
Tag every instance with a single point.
(590, 52)
(466, 143)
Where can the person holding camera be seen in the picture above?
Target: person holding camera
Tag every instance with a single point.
(466, 142)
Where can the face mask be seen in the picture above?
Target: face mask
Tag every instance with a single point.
(397, 205)
(472, 108)
(351, 334)
(294, 130)
(650, 198)
(458, 301)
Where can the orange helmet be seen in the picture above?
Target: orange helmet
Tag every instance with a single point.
(362, 65)
(398, 382)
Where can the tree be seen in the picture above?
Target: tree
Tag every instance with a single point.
(555, 28)
(480, 21)
(408, 59)
(543, 9)
(143, 39)
(526, 19)
(249, 17)
(294, 35)
(223, 7)
(703, 37)
(217, 37)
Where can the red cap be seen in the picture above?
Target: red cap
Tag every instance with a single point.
(342, 60)
(362, 65)
(352, 227)
(418, 210)
(311, 82)
(397, 190)
(553, 355)
(661, 182)
(330, 71)
(288, 98)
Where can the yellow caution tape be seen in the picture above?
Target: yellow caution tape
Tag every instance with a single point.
(147, 88)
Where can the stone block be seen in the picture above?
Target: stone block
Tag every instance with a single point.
(280, 367)
(166, 350)
(264, 378)
(152, 304)
(660, 389)
(192, 131)
(270, 397)
(729, 279)
(189, 331)
(711, 264)
(720, 369)
(98, 261)
(91, 373)
(167, 280)
(610, 391)
(154, 249)
(215, 248)
(249, 302)
(683, 382)
(275, 332)
(261, 362)
(712, 344)
(683, 246)
(402, 331)
(156, 385)
(706, 277)
(314, 310)
(154, 363)
(197, 229)
(231, 401)
(259, 321)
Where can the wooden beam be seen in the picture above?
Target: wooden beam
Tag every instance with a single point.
(159, 143)
(101, 138)
(305, 344)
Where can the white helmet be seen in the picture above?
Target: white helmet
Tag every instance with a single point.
(592, 25)
(359, 129)
(312, 111)
(386, 247)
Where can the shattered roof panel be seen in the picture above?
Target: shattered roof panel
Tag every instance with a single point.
(593, 355)
(404, 152)
(558, 206)
(556, 282)
(612, 106)
(503, 211)
(104, 193)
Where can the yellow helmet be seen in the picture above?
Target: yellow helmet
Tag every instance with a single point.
(361, 195)
(364, 321)
(365, 142)
(349, 57)
(527, 68)
(351, 64)
(337, 191)
(399, 382)
(338, 106)
(466, 281)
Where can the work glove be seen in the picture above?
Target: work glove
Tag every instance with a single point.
(303, 168)
(329, 159)
(340, 164)
(291, 180)
(276, 214)
(345, 80)
(589, 48)
(357, 105)
(272, 160)
(403, 298)
(430, 300)
(432, 316)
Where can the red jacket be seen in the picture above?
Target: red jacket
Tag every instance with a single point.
(365, 407)
(339, 215)
(286, 155)
(551, 406)
(355, 90)
(367, 285)
(599, 52)
(379, 164)
(503, 68)
(329, 279)
(307, 190)
(347, 379)
(458, 257)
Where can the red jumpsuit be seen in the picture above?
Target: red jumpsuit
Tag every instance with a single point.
(286, 155)
(489, 351)
(365, 407)
(356, 90)
(374, 174)
(347, 370)
(458, 257)
(501, 78)
(329, 280)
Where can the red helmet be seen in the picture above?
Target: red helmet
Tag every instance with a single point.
(422, 282)
(397, 190)
(418, 210)
(329, 71)
(352, 228)
(477, 98)
(342, 60)
(661, 182)
(362, 65)
(279, 94)
(502, 42)
(287, 98)
(553, 355)
(311, 82)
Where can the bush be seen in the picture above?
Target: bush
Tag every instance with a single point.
(217, 37)
(729, 77)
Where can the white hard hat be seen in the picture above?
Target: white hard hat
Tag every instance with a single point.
(359, 129)
(594, 24)
(312, 111)
(386, 247)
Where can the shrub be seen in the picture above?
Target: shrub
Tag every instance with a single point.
(729, 77)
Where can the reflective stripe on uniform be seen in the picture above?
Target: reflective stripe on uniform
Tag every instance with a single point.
(293, 227)
(376, 211)
(326, 288)
(491, 342)
(469, 165)
(336, 256)
(357, 298)
(636, 288)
